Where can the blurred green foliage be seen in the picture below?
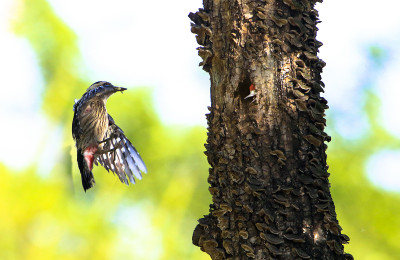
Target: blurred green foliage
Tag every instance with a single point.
(368, 215)
(52, 218)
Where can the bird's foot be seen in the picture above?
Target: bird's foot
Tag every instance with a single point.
(105, 140)
(103, 151)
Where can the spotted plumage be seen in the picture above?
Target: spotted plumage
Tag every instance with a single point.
(99, 140)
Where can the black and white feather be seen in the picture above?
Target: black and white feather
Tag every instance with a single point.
(123, 159)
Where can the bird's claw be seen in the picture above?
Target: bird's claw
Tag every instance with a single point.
(103, 151)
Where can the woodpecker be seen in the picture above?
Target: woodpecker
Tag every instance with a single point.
(99, 140)
(252, 92)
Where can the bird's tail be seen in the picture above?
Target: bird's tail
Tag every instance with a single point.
(86, 174)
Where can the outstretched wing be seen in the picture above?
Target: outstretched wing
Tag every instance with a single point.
(121, 156)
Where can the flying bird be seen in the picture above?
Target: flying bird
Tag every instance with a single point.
(99, 140)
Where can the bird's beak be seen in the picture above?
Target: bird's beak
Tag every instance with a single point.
(119, 89)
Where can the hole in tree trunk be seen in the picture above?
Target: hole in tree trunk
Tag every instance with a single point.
(244, 88)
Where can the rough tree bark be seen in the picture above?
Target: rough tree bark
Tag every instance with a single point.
(268, 175)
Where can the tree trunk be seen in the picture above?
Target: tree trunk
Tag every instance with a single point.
(268, 175)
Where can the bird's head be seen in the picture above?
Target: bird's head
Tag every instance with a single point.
(103, 89)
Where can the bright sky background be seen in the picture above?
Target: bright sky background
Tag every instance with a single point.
(148, 43)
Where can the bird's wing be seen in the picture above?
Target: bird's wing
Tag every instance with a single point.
(123, 159)
(76, 127)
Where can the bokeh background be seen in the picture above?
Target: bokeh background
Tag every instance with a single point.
(51, 51)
